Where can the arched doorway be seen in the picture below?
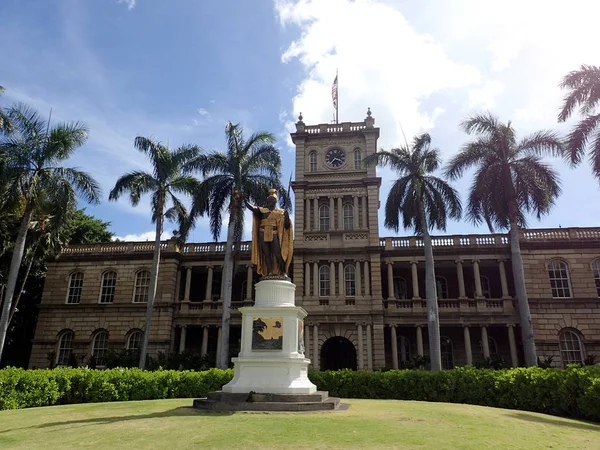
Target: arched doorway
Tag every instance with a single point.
(338, 353)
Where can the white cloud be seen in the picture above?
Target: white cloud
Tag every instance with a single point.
(147, 236)
(203, 112)
(484, 97)
(130, 3)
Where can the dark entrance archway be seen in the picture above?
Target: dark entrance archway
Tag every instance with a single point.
(338, 353)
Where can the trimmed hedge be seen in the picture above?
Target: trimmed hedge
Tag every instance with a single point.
(572, 392)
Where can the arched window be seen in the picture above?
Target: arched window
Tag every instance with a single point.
(403, 349)
(109, 282)
(65, 348)
(134, 341)
(75, 287)
(441, 284)
(400, 288)
(485, 287)
(571, 347)
(357, 159)
(596, 270)
(142, 285)
(559, 279)
(312, 161)
(447, 353)
(348, 216)
(324, 281)
(99, 347)
(492, 346)
(323, 218)
(350, 280)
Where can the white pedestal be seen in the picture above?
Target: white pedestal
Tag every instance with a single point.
(271, 359)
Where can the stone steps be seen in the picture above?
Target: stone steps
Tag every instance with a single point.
(224, 401)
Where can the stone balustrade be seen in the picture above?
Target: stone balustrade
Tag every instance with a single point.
(481, 305)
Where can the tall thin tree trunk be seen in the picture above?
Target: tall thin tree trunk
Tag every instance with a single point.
(433, 321)
(227, 287)
(153, 284)
(522, 300)
(25, 276)
(15, 265)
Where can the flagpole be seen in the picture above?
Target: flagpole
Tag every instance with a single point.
(337, 103)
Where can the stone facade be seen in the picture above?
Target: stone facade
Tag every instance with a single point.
(364, 294)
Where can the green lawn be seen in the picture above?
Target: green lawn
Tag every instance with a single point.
(370, 424)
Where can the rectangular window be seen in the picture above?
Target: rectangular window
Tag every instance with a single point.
(109, 282)
(75, 288)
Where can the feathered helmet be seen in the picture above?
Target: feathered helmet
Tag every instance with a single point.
(273, 193)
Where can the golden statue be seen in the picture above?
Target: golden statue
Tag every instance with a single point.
(272, 240)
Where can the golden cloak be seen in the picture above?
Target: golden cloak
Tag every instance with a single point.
(286, 241)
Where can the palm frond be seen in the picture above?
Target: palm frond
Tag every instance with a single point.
(578, 138)
(485, 124)
(137, 183)
(64, 139)
(541, 143)
(82, 182)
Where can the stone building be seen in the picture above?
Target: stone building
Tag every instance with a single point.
(364, 294)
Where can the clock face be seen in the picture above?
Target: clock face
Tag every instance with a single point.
(335, 157)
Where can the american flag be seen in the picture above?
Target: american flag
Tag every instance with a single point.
(334, 92)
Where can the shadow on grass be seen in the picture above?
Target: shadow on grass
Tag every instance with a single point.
(549, 420)
(180, 411)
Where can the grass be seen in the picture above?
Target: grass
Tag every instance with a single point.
(369, 424)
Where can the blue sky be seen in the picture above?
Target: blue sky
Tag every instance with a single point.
(179, 69)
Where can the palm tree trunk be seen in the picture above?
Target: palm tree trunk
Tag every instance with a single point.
(522, 301)
(13, 273)
(227, 287)
(433, 321)
(25, 276)
(153, 285)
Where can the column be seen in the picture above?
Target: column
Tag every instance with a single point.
(361, 350)
(461, 279)
(355, 214)
(182, 339)
(419, 340)
(364, 213)
(188, 284)
(249, 283)
(468, 350)
(503, 281)
(315, 349)
(415, 279)
(204, 348)
(332, 279)
(390, 280)
(367, 279)
(331, 213)
(307, 341)
(358, 279)
(218, 345)
(209, 281)
(369, 349)
(307, 279)
(307, 213)
(340, 213)
(316, 279)
(477, 276)
(484, 342)
(177, 285)
(223, 280)
(342, 286)
(394, 347)
(514, 358)
(316, 213)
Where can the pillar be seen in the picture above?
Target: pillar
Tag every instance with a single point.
(477, 275)
(188, 284)
(369, 349)
(315, 349)
(461, 279)
(182, 339)
(209, 281)
(331, 213)
(514, 358)
(468, 350)
(204, 348)
(342, 280)
(218, 345)
(503, 281)
(394, 347)
(367, 279)
(390, 280)
(484, 342)
(340, 213)
(358, 279)
(415, 279)
(316, 212)
(316, 279)
(249, 283)
(364, 213)
(355, 214)
(177, 285)
(361, 350)
(332, 279)
(307, 213)
(307, 279)
(419, 340)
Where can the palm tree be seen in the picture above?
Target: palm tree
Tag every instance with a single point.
(5, 125)
(584, 93)
(165, 181)
(510, 180)
(30, 158)
(244, 172)
(425, 202)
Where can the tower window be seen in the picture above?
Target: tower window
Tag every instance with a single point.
(348, 216)
(312, 161)
(324, 281)
(350, 280)
(324, 218)
(357, 159)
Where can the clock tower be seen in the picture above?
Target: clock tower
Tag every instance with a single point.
(337, 254)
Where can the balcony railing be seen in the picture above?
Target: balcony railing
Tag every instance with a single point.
(481, 305)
